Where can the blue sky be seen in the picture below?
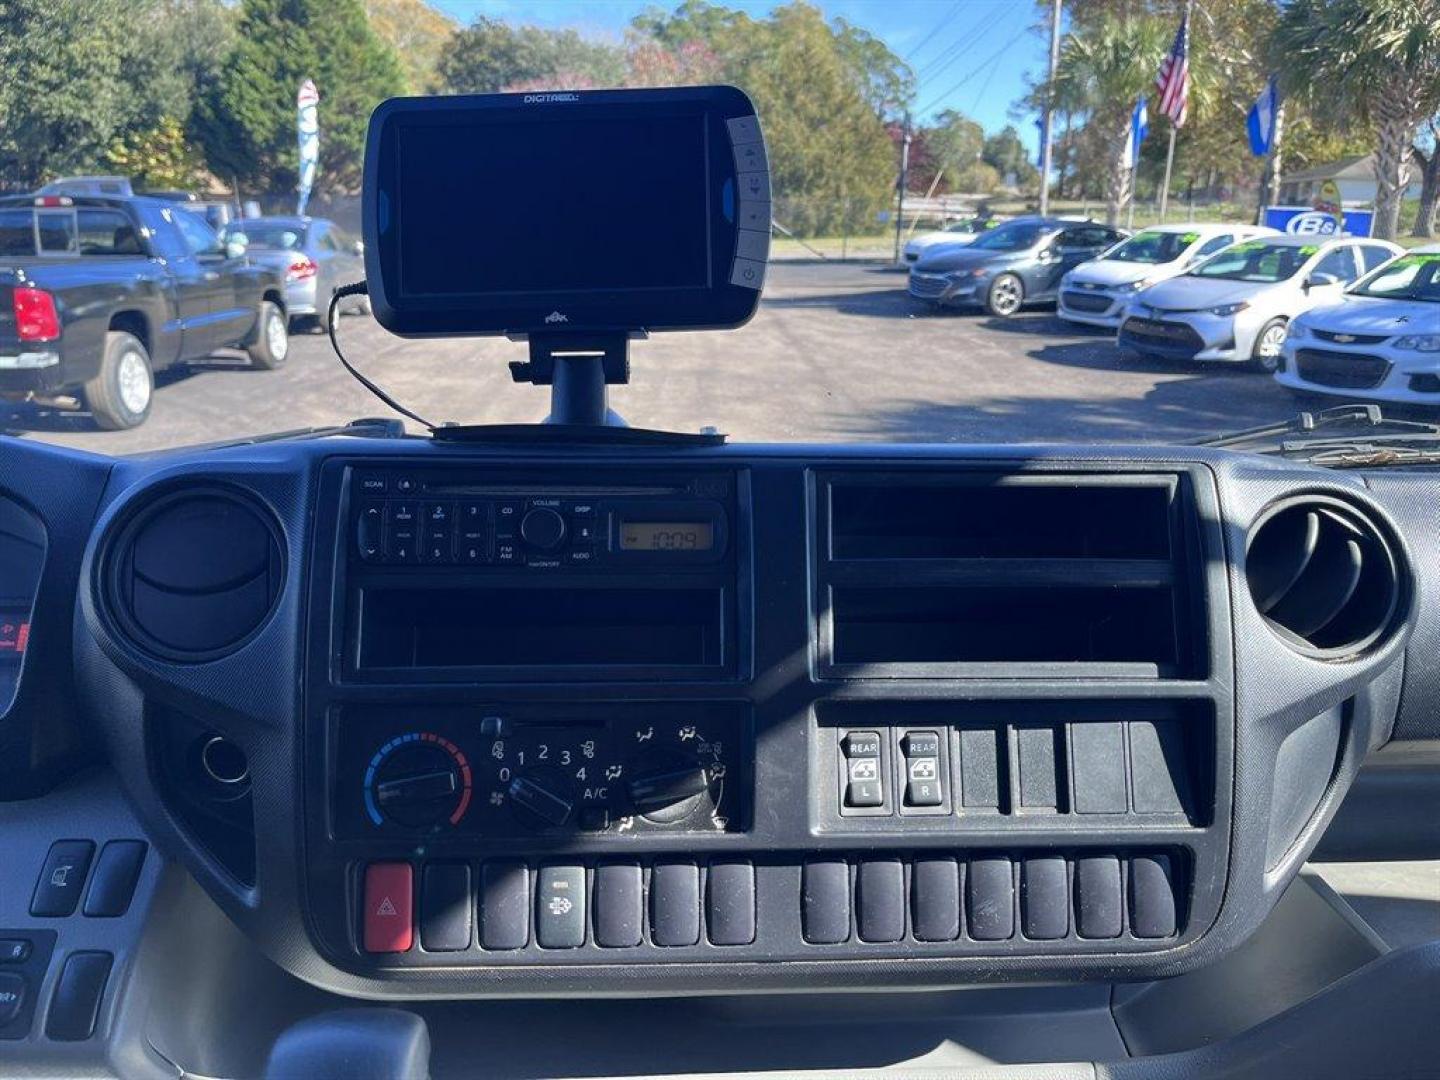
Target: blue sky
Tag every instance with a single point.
(971, 55)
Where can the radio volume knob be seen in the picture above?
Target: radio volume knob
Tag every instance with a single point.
(542, 528)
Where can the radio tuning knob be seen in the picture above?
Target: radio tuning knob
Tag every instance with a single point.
(542, 528)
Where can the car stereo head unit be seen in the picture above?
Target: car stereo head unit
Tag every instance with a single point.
(586, 212)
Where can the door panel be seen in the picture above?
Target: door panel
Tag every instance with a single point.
(194, 290)
(227, 320)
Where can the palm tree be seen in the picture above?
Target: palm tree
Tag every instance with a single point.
(1376, 61)
(1103, 69)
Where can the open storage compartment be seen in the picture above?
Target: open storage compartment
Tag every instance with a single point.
(624, 631)
(960, 573)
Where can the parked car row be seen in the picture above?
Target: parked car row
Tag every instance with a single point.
(315, 257)
(1342, 315)
(98, 292)
(957, 232)
(100, 289)
(1005, 268)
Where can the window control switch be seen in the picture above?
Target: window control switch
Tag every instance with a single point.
(924, 769)
(864, 784)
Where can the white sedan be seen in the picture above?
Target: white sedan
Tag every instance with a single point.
(957, 232)
(1095, 293)
(1235, 306)
(1381, 342)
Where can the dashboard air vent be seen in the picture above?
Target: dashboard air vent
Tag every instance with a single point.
(1322, 575)
(195, 574)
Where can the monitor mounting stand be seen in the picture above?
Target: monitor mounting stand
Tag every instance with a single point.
(578, 368)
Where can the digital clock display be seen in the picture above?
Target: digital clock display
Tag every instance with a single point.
(666, 536)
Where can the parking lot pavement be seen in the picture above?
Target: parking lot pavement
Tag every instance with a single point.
(836, 352)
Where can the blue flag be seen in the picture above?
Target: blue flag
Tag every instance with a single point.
(1139, 128)
(1260, 122)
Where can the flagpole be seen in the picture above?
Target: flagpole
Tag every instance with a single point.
(1134, 190)
(1169, 164)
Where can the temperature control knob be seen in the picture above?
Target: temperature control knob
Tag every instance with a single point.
(420, 781)
(543, 528)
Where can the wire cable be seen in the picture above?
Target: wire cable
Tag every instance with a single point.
(360, 288)
(939, 98)
(945, 20)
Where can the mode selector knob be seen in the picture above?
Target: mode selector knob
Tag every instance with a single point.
(542, 528)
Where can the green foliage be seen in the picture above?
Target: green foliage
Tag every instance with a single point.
(1376, 61)
(77, 76)
(1360, 59)
(490, 55)
(821, 90)
(246, 118)
(417, 33)
(978, 178)
(888, 82)
(1006, 154)
(955, 142)
(159, 157)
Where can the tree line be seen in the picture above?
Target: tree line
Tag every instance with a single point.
(1356, 77)
(173, 92)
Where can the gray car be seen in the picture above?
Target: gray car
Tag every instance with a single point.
(315, 255)
(1020, 262)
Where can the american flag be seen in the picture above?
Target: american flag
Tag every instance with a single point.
(1174, 77)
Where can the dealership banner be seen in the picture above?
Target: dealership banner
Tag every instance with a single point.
(1307, 221)
(307, 125)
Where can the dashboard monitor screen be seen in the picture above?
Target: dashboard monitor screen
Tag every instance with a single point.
(577, 212)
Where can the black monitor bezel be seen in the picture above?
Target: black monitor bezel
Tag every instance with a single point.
(721, 305)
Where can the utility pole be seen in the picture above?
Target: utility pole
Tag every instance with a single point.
(1045, 126)
(904, 179)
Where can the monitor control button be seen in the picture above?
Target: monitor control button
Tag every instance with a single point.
(744, 129)
(747, 273)
(754, 214)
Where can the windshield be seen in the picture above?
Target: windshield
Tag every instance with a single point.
(268, 234)
(1257, 261)
(1410, 277)
(1019, 236)
(893, 133)
(1153, 247)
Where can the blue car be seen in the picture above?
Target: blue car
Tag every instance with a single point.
(1020, 262)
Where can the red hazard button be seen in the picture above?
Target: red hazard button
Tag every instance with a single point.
(388, 891)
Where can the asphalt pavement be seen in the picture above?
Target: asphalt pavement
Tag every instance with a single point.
(836, 352)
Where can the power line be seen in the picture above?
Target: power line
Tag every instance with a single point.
(945, 20)
(997, 54)
(994, 67)
(952, 52)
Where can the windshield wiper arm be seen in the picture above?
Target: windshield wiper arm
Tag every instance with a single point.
(1366, 423)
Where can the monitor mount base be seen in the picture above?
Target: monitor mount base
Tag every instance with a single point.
(577, 368)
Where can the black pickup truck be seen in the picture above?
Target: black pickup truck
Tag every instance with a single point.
(97, 293)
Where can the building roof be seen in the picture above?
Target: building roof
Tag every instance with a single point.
(1355, 167)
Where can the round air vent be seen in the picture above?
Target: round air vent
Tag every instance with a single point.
(1322, 575)
(195, 574)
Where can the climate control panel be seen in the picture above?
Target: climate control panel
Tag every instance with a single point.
(491, 772)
